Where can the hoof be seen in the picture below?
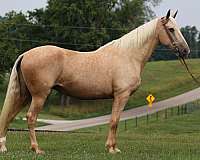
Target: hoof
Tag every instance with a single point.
(35, 148)
(111, 150)
(3, 149)
(37, 151)
(117, 150)
(114, 150)
(40, 152)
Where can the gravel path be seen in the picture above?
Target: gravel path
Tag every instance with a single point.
(128, 114)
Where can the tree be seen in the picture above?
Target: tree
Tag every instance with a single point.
(79, 25)
(191, 35)
(86, 25)
(9, 33)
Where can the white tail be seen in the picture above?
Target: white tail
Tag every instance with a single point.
(13, 89)
(12, 100)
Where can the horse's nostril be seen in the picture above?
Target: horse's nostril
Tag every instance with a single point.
(184, 51)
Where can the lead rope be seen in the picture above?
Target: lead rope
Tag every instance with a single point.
(182, 60)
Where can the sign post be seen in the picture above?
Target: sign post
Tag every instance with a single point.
(150, 99)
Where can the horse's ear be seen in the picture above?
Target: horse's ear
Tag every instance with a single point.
(168, 14)
(174, 16)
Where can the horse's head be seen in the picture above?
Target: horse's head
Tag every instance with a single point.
(169, 34)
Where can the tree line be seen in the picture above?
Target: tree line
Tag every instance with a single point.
(79, 25)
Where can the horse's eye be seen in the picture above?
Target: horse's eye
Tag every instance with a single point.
(171, 29)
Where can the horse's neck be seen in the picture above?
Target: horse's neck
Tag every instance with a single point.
(139, 44)
(143, 54)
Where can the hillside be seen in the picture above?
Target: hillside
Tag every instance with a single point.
(163, 79)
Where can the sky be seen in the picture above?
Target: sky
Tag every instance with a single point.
(189, 10)
(20, 5)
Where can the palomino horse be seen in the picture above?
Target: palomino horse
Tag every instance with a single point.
(112, 71)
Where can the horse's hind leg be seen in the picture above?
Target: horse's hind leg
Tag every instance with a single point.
(16, 98)
(36, 106)
(8, 114)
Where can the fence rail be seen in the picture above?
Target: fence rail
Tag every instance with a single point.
(145, 119)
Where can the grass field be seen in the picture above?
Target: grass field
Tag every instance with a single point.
(163, 79)
(176, 138)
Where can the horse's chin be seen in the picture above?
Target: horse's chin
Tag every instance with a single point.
(183, 55)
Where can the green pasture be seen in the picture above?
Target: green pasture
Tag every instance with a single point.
(177, 138)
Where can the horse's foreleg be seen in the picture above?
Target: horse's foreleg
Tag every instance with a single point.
(118, 106)
(36, 106)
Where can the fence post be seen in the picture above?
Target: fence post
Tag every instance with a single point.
(186, 109)
(182, 109)
(99, 129)
(147, 118)
(136, 121)
(178, 110)
(165, 113)
(172, 111)
(157, 115)
(125, 125)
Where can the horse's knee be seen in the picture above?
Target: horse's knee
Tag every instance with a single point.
(29, 116)
(31, 119)
(114, 123)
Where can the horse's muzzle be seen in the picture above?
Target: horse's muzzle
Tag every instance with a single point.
(183, 52)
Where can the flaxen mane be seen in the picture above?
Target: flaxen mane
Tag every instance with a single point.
(135, 38)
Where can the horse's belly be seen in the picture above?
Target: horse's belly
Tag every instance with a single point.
(88, 91)
(87, 78)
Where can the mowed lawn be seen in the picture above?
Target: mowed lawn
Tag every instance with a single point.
(175, 138)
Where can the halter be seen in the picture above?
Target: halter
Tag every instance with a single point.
(173, 39)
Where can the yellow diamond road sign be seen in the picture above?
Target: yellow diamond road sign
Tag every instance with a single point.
(150, 99)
